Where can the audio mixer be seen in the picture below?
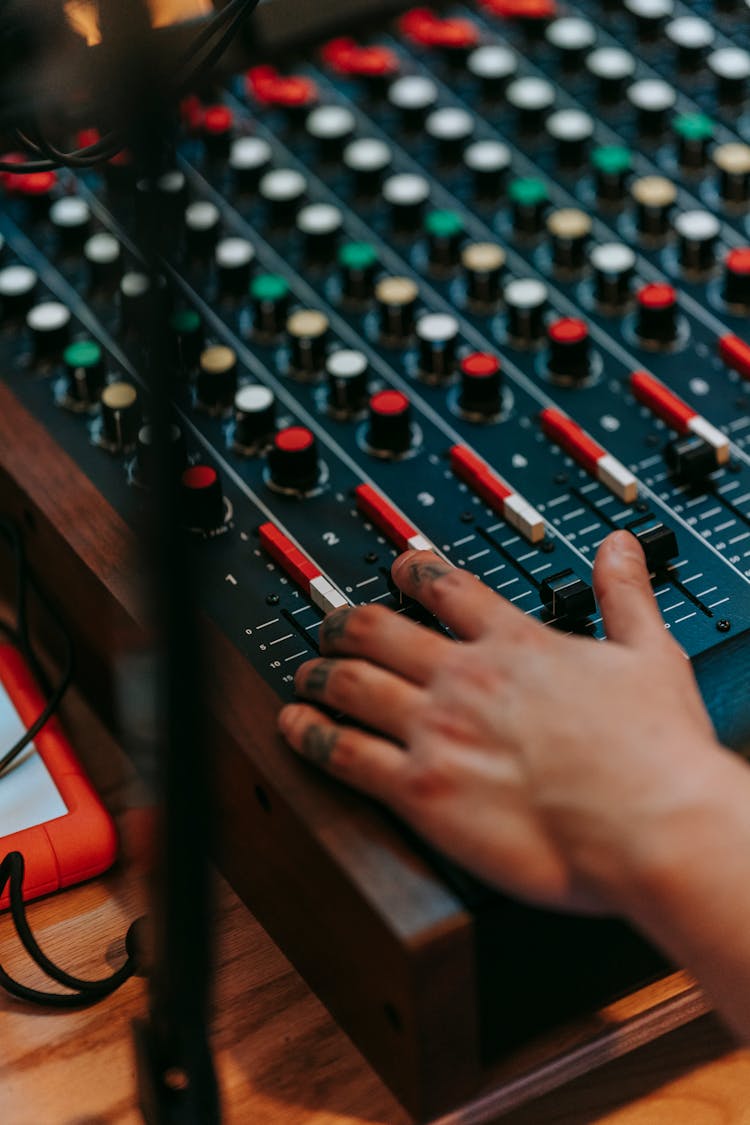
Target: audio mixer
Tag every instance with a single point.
(471, 278)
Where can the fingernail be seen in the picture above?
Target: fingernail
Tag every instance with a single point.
(285, 719)
(625, 544)
(401, 561)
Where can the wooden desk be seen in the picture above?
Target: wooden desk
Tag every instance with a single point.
(281, 1060)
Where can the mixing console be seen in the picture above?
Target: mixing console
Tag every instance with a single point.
(477, 281)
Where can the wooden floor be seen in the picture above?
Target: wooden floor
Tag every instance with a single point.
(281, 1059)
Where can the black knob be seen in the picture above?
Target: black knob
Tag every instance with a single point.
(649, 16)
(612, 165)
(690, 37)
(331, 126)
(570, 130)
(17, 287)
(121, 417)
(49, 326)
(347, 372)
(569, 359)
(694, 132)
(532, 99)
(571, 37)
(389, 432)
(217, 126)
(450, 129)
(202, 225)
(397, 301)
(736, 290)
(613, 264)
(730, 67)
(488, 163)
(654, 197)
(358, 262)
(249, 160)
(71, 217)
(216, 382)
(652, 100)
(283, 190)
(697, 233)
(526, 303)
(188, 340)
(320, 225)
(612, 67)
(656, 323)
(437, 335)
(481, 385)
(406, 195)
(234, 259)
(84, 374)
(293, 460)
(202, 499)
(483, 264)
(307, 330)
(254, 416)
(367, 160)
(148, 462)
(103, 255)
(493, 65)
(413, 96)
(529, 201)
(733, 165)
(269, 295)
(569, 230)
(445, 233)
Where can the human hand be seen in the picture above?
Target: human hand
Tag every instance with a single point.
(550, 766)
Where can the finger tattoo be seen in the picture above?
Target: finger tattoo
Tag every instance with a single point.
(427, 572)
(319, 743)
(317, 680)
(333, 627)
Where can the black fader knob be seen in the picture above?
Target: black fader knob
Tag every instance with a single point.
(526, 303)
(84, 374)
(249, 160)
(234, 259)
(17, 287)
(481, 386)
(732, 162)
(202, 499)
(736, 288)
(389, 432)
(148, 461)
(483, 264)
(654, 197)
(656, 324)
(254, 416)
(690, 459)
(71, 218)
(659, 541)
(293, 460)
(613, 264)
(567, 596)
(612, 68)
(572, 37)
(569, 359)
(437, 335)
(216, 381)
(397, 301)
(569, 230)
(121, 417)
(348, 373)
(307, 331)
(697, 233)
(49, 327)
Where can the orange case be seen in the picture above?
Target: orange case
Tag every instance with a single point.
(70, 848)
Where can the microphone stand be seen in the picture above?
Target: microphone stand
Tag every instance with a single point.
(176, 1079)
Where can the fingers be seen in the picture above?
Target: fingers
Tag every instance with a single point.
(371, 764)
(368, 693)
(623, 589)
(456, 598)
(385, 638)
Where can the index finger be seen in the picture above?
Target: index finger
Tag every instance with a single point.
(457, 598)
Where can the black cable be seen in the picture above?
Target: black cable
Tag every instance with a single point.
(83, 992)
(108, 146)
(24, 582)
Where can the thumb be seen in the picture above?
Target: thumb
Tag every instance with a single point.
(623, 590)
